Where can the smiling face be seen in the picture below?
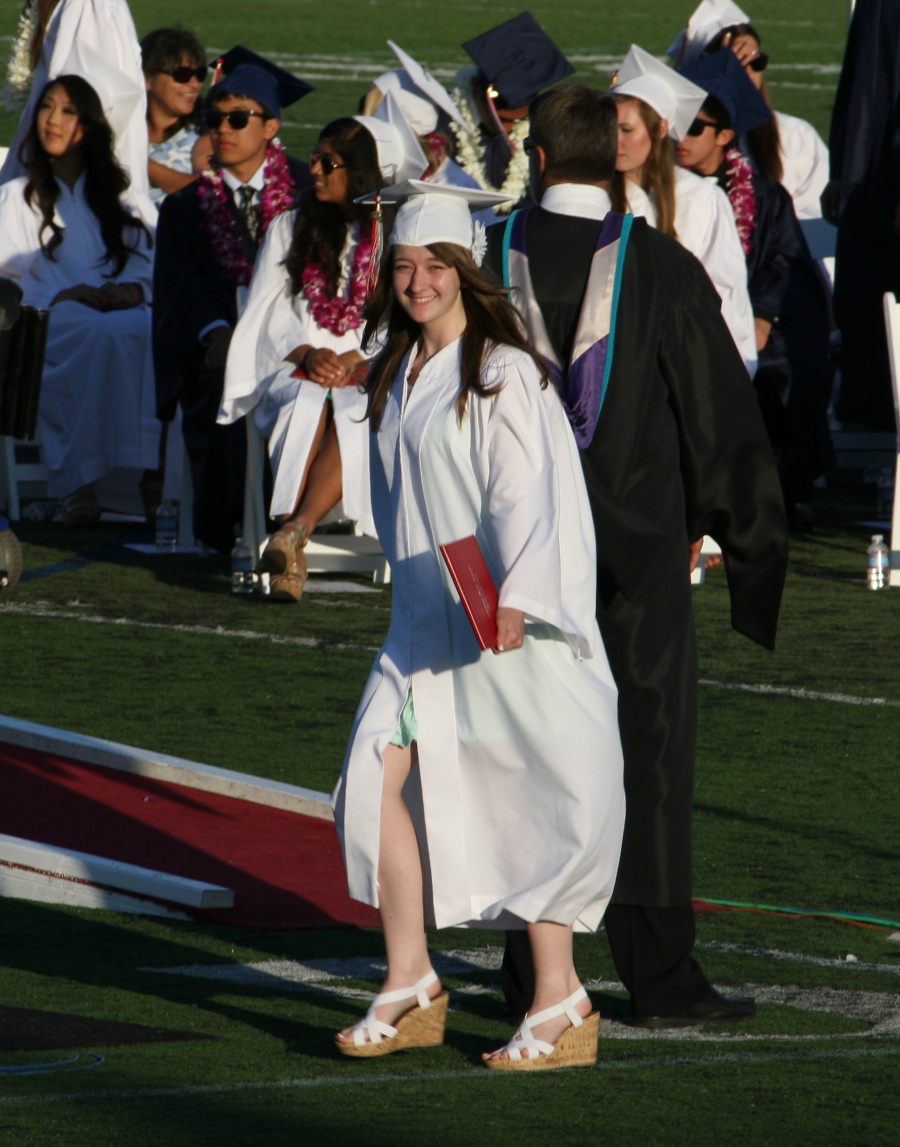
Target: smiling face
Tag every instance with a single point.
(429, 291)
(331, 180)
(635, 142)
(170, 98)
(242, 151)
(59, 128)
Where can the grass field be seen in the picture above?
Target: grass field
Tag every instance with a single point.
(796, 805)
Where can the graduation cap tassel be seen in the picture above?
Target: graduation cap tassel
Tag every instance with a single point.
(490, 95)
(217, 73)
(376, 240)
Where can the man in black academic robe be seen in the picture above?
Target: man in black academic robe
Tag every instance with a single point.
(195, 290)
(679, 451)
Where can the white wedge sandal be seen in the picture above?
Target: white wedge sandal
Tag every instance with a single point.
(576, 1047)
(422, 1026)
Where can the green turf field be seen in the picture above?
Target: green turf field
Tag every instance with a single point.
(797, 792)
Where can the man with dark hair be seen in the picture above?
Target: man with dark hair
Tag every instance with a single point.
(673, 448)
(208, 237)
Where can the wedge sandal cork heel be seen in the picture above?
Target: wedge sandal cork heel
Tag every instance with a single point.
(422, 1026)
(576, 1047)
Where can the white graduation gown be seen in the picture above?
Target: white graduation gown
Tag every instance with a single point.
(288, 410)
(98, 397)
(519, 805)
(97, 40)
(804, 158)
(704, 224)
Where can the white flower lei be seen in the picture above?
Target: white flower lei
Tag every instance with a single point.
(470, 150)
(18, 70)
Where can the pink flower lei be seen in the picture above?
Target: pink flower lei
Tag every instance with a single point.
(218, 222)
(339, 315)
(739, 187)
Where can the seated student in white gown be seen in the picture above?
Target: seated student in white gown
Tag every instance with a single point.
(477, 789)
(787, 150)
(95, 39)
(430, 111)
(70, 236)
(295, 355)
(656, 107)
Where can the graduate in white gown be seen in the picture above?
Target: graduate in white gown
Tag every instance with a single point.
(95, 39)
(787, 150)
(477, 789)
(71, 238)
(656, 106)
(295, 355)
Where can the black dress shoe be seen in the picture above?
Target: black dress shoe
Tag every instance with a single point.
(713, 1008)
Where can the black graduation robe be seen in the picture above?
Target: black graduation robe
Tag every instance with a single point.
(795, 373)
(680, 451)
(190, 291)
(864, 147)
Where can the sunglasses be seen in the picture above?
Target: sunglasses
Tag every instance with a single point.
(237, 119)
(699, 126)
(759, 63)
(324, 161)
(184, 72)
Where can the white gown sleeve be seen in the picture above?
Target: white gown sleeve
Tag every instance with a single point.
(538, 505)
(805, 160)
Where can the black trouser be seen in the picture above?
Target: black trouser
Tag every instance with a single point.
(651, 948)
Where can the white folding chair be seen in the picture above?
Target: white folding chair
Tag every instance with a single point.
(892, 327)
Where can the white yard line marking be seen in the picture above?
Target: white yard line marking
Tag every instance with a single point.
(801, 694)
(37, 610)
(722, 1059)
(881, 1010)
(796, 957)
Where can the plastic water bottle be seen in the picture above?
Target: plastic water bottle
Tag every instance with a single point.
(167, 527)
(243, 579)
(879, 562)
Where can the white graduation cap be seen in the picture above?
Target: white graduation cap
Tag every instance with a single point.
(671, 96)
(709, 19)
(417, 92)
(119, 92)
(437, 213)
(400, 155)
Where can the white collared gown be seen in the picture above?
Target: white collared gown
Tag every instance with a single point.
(518, 799)
(704, 224)
(97, 409)
(287, 410)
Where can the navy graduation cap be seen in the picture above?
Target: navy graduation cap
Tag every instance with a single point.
(723, 76)
(519, 59)
(248, 74)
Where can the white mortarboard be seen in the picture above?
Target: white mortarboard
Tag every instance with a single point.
(420, 112)
(709, 19)
(437, 213)
(671, 96)
(417, 81)
(400, 155)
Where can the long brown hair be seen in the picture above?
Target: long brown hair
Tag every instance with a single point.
(45, 10)
(658, 176)
(491, 321)
(763, 142)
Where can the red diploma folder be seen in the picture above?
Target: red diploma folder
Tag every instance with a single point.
(475, 587)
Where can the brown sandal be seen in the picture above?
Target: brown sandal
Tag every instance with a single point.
(288, 586)
(283, 549)
(81, 508)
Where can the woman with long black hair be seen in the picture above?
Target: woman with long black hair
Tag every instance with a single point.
(71, 237)
(296, 354)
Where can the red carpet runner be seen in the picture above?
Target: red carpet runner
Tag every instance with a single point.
(285, 869)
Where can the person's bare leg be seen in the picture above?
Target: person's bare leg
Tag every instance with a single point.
(325, 420)
(555, 979)
(400, 889)
(323, 487)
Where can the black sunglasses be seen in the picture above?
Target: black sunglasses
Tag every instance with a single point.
(759, 63)
(238, 119)
(324, 161)
(184, 72)
(699, 126)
